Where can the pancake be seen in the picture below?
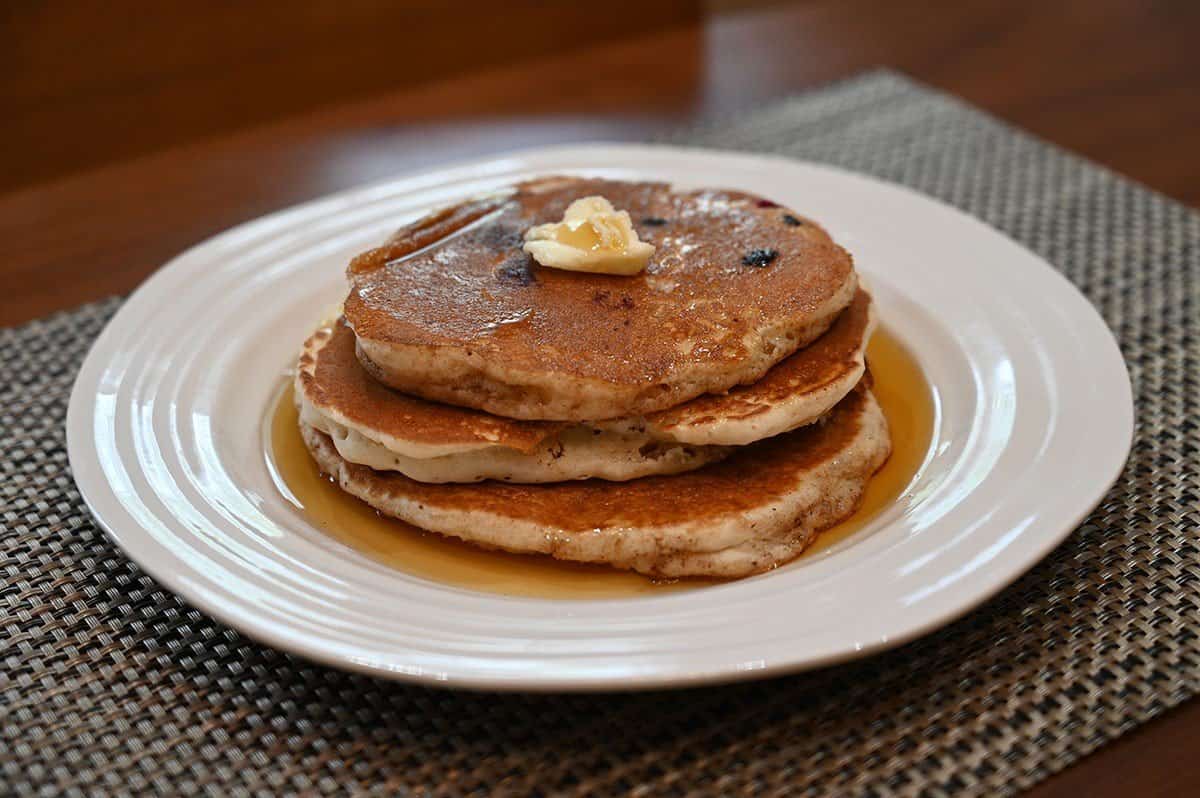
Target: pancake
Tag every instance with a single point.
(749, 513)
(386, 430)
(333, 383)
(575, 453)
(375, 426)
(451, 309)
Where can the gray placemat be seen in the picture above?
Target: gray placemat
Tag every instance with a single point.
(111, 684)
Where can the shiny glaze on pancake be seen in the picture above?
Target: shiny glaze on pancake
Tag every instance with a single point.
(335, 381)
(712, 297)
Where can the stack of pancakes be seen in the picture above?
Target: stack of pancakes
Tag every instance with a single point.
(707, 417)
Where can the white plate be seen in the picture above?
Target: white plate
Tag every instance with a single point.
(1034, 424)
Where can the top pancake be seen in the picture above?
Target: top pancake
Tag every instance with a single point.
(452, 309)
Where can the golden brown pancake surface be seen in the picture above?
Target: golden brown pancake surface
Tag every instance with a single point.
(452, 308)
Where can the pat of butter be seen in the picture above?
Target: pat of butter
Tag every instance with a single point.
(592, 237)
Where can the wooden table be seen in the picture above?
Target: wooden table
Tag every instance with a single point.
(1116, 80)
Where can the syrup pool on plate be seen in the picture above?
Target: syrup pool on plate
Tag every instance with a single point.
(899, 385)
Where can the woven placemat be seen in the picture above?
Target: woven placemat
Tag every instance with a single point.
(111, 684)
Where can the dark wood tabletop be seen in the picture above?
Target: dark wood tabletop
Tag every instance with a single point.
(1115, 80)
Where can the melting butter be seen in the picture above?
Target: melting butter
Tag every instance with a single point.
(592, 237)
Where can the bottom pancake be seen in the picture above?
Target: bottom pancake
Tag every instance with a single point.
(749, 513)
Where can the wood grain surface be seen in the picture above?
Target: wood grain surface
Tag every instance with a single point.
(1115, 80)
(134, 77)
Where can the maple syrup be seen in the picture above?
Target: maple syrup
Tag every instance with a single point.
(899, 386)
